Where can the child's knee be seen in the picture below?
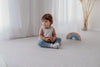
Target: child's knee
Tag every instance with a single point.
(40, 43)
(59, 39)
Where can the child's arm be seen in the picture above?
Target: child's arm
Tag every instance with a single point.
(41, 34)
(54, 35)
(42, 37)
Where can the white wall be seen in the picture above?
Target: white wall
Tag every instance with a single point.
(45, 7)
(25, 16)
(94, 20)
(19, 14)
(34, 16)
(40, 7)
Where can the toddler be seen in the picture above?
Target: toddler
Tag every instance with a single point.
(47, 33)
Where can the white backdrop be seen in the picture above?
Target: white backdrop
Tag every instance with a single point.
(67, 14)
(19, 18)
(22, 18)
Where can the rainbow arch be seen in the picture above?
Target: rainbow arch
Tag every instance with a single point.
(74, 35)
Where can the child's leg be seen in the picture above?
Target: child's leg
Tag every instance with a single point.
(57, 43)
(42, 43)
(58, 40)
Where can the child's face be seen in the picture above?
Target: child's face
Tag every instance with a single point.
(46, 23)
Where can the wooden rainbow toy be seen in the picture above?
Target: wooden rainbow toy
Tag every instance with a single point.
(73, 35)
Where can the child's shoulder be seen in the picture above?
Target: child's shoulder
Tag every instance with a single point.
(52, 27)
(41, 27)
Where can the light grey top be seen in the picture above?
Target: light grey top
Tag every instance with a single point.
(47, 32)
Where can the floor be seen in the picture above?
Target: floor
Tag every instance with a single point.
(26, 53)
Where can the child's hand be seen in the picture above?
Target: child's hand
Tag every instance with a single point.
(53, 39)
(48, 39)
